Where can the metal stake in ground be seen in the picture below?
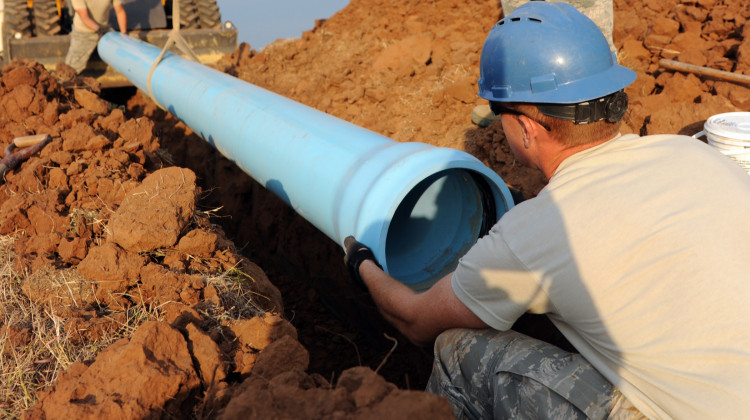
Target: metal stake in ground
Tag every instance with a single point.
(705, 71)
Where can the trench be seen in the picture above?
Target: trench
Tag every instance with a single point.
(336, 321)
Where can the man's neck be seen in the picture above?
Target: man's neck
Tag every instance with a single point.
(553, 153)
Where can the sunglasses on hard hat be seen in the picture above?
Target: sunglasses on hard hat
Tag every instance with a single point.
(498, 109)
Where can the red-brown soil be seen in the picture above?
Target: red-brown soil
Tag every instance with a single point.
(120, 209)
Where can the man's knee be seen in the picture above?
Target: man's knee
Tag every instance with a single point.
(470, 347)
(464, 355)
(445, 342)
(481, 370)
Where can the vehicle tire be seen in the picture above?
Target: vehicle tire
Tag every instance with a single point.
(209, 15)
(46, 18)
(188, 14)
(16, 20)
(66, 20)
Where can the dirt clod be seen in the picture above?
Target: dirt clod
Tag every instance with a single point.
(154, 214)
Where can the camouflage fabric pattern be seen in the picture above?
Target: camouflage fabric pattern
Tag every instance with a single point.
(492, 374)
(82, 45)
(601, 12)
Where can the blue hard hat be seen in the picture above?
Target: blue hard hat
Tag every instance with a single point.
(546, 52)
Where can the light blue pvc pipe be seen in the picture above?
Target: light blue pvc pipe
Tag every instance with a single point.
(419, 207)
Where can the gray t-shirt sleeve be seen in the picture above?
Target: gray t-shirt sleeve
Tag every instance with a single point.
(495, 285)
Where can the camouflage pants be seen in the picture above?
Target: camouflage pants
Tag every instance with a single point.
(82, 44)
(488, 374)
(601, 12)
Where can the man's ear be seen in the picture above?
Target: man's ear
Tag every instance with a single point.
(529, 128)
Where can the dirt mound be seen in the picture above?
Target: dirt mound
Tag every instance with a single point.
(108, 235)
(114, 234)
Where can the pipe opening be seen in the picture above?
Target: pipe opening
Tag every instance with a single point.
(436, 224)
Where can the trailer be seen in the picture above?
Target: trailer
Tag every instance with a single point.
(39, 30)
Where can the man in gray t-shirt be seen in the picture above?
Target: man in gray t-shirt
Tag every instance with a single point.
(637, 251)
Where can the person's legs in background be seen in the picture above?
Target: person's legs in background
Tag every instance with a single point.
(82, 45)
(601, 12)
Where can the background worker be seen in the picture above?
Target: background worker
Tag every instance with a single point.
(91, 21)
(637, 250)
(600, 11)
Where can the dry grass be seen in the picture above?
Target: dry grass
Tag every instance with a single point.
(35, 348)
(235, 298)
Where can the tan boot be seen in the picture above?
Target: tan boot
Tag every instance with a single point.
(482, 116)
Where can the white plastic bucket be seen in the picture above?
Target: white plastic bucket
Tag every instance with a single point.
(729, 133)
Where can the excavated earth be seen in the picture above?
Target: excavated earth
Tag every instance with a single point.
(127, 206)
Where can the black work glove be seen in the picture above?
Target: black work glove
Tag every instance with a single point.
(517, 195)
(356, 254)
(103, 29)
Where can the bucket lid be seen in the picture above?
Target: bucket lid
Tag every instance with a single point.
(733, 125)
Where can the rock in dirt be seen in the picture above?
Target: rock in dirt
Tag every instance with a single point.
(154, 214)
(149, 376)
(110, 264)
(359, 394)
(208, 357)
(255, 334)
(91, 101)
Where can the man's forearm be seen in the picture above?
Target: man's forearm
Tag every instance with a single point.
(421, 317)
(86, 19)
(122, 19)
(394, 299)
